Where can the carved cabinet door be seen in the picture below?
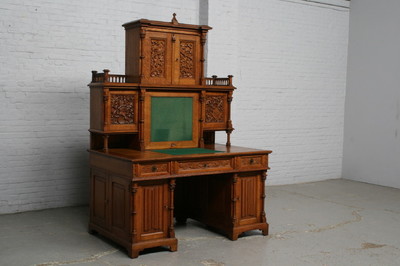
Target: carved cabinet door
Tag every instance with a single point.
(157, 58)
(121, 111)
(186, 59)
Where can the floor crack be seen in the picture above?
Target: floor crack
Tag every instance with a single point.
(92, 258)
(357, 218)
(281, 235)
(317, 198)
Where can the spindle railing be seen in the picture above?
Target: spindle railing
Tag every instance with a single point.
(215, 81)
(106, 77)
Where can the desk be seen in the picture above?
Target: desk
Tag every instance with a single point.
(135, 196)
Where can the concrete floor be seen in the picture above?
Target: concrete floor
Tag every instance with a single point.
(334, 222)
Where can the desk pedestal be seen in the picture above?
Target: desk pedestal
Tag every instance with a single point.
(134, 201)
(230, 203)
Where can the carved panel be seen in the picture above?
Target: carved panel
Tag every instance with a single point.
(152, 209)
(215, 111)
(193, 166)
(253, 161)
(153, 169)
(186, 51)
(122, 109)
(157, 58)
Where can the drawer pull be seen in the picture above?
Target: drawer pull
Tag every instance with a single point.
(251, 161)
(154, 168)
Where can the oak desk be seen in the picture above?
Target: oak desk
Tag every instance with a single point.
(153, 157)
(135, 195)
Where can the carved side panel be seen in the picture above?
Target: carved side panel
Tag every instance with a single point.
(119, 208)
(215, 109)
(157, 58)
(187, 54)
(122, 109)
(99, 199)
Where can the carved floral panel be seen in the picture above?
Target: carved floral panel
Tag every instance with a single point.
(186, 52)
(215, 112)
(194, 165)
(157, 58)
(122, 109)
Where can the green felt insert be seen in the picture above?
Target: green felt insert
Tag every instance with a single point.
(171, 119)
(186, 151)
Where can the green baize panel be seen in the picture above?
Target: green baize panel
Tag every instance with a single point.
(186, 151)
(171, 119)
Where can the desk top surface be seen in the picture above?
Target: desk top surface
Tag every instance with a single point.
(222, 150)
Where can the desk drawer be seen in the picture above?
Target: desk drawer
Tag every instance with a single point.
(152, 169)
(210, 165)
(250, 162)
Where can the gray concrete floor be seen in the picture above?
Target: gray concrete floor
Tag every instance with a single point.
(334, 222)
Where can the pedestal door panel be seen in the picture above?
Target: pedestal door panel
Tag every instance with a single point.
(152, 209)
(249, 199)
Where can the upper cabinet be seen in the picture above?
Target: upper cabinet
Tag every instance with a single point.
(162, 53)
(164, 99)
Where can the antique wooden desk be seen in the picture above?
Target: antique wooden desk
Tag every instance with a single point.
(153, 157)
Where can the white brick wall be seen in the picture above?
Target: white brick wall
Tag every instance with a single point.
(289, 62)
(47, 51)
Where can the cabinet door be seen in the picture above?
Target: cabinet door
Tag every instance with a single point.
(186, 59)
(121, 109)
(250, 199)
(110, 202)
(216, 111)
(157, 52)
(99, 202)
(152, 207)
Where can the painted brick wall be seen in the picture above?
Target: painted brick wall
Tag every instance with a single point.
(288, 58)
(289, 62)
(47, 51)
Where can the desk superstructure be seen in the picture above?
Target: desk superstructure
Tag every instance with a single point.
(153, 157)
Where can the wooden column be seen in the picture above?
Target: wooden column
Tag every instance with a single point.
(141, 119)
(229, 121)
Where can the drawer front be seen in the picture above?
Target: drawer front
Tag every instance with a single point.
(152, 169)
(197, 166)
(250, 162)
